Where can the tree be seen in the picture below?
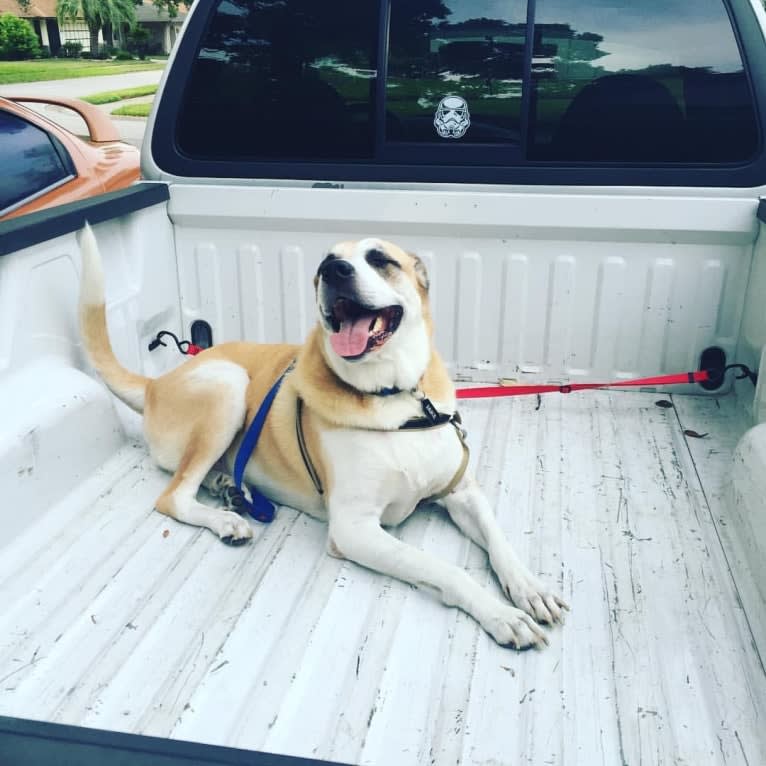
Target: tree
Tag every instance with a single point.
(17, 38)
(97, 14)
(169, 6)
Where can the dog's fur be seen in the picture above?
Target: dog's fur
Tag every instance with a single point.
(372, 474)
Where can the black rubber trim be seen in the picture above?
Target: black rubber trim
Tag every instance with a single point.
(169, 159)
(35, 743)
(33, 228)
(762, 210)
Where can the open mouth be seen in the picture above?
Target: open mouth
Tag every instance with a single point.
(357, 329)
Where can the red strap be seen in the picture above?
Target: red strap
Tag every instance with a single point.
(490, 391)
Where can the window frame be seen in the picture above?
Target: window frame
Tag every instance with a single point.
(64, 157)
(392, 166)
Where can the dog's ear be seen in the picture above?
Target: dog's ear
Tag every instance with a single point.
(420, 271)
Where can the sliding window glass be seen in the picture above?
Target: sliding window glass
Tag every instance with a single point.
(455, 72)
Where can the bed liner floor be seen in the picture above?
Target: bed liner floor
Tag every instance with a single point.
(116, 617)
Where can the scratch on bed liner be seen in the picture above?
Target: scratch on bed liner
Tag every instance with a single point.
(613, 660)
(22, 667)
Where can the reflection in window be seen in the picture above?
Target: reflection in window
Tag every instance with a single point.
(283, 79)
(616, 80)
(455, 70)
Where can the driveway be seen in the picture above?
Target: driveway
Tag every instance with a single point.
(131, 129)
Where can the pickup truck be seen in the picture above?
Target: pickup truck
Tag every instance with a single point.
(584, 183)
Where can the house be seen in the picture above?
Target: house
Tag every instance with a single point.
(164, 31)
(52, 34)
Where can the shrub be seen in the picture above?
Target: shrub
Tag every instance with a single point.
(17, 38)
(70, 49)
(45, 52)
(123, 56)
(138, 41)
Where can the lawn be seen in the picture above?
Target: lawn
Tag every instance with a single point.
(133, 110)
(62, 69)
(109, 96)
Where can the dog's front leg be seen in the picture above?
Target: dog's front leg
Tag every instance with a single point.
(359, 537)
(470, 510)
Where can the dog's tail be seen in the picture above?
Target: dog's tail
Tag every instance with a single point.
(127, 386)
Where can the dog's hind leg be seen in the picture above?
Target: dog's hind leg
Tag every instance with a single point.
(212, 400)
(470, 510)
(179, 502)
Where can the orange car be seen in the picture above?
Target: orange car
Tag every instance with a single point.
(42, 164)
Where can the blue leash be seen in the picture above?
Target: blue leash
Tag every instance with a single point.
(261, 509)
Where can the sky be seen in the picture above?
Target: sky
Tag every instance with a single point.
(639, 33)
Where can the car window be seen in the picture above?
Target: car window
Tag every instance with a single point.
(650, 81)
(29, 160)
(283, 79)
(455, 71)
(473, 91)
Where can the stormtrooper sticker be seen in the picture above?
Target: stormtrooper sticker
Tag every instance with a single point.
(452, 118)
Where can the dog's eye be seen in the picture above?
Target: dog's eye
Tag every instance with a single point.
(379, 260)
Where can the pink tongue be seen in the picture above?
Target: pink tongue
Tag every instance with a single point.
(351, 339)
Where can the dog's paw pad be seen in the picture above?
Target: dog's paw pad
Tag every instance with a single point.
(235, 541)
(234, 499)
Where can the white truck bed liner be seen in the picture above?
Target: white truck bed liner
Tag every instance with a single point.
(116, 617)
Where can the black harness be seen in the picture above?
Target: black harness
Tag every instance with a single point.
(263, 509)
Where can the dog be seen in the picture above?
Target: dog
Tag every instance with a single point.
(344, 439)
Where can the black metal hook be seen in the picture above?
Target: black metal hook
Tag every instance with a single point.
(183, 345)
(746, 372)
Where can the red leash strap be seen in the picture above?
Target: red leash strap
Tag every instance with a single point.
(490, 391)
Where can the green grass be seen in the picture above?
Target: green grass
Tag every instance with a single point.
(133, 110)
(62, 69)
(108, 96)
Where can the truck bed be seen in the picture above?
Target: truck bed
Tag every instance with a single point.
(115, 617)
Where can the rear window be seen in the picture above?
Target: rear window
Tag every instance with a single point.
(653, 81)
(30, 161)
(285, 79)
(487, 84)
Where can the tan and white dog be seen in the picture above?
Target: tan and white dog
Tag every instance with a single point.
(373, 336)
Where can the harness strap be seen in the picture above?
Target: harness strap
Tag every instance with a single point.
(455, 420)
(410, 425)
(304, 448)
(261, 508)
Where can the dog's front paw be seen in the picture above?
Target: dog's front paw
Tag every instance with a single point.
(233, 529)
(529, 594)
(512, 627)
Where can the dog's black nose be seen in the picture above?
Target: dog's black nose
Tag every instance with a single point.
(336, 271)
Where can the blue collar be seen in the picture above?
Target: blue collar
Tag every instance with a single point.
(386, 392)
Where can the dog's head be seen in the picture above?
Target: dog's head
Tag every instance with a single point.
(372, 300)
